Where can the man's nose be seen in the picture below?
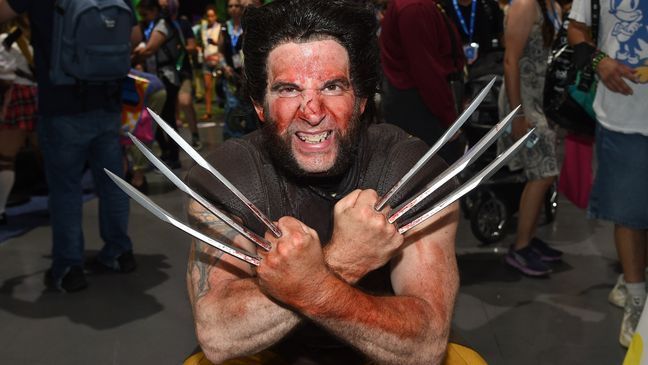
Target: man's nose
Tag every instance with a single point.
(311, 109)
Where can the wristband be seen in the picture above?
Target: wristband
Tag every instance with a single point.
(598, 57)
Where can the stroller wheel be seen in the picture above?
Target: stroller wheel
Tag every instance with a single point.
(551, 204)
(488, 220)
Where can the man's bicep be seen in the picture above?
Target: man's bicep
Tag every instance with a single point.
(427, 266)
(208, 266)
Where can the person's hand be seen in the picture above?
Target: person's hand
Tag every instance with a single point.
(229, 72)
(362, 240)
(613, 73)
(293, 270)
(519, 127)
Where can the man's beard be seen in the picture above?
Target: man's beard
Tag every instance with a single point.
(279, 147)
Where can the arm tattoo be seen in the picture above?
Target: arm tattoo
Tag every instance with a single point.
(203, 257)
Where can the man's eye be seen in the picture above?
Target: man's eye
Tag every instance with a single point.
(288, 91)
(333, 89)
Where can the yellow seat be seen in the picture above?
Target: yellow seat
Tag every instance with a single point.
(455, 355)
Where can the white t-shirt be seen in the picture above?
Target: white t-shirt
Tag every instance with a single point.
(623, 35)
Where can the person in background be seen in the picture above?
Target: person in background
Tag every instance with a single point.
(77, 127)
(19, 102)
(210, 33)
(480, 24)
(154, 98)
(530, 27)
(185, 65)
(619, 194)
(421, 54)
(240, 117)
(161, 55)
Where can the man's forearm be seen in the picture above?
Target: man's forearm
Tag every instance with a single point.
(232, 317)
(389, 329)
(242, 322)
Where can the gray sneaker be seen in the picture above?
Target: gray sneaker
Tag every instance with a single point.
(631, 314)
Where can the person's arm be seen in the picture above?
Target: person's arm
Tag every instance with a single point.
(520, 19)
(232, 316)
(6, 11)
(611, 72)
(136, 37)
(410, 327)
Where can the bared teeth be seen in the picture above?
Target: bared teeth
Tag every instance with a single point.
(314, 138)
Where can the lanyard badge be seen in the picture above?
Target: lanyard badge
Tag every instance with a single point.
(471, 48)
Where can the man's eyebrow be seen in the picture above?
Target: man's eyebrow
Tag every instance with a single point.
(276, 86)
(344, 81)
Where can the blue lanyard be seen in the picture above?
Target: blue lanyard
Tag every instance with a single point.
(234, 35)
(462, 21)
(553, 16)
(149, 30)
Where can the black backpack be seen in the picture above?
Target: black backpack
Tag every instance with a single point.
(90, 41)
(568, 91)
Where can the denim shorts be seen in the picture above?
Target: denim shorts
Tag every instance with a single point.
(620, 191)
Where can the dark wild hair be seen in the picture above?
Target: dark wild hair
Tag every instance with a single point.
(350, 23)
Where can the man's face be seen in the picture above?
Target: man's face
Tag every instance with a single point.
(234, 8)
(310, 103)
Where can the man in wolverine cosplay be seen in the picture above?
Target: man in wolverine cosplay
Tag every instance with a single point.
(340, 285)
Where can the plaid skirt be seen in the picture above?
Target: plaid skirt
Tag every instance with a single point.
(22, 109)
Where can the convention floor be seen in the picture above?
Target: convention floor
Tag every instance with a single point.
(144, 317)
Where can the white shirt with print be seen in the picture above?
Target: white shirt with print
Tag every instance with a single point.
(623, 35)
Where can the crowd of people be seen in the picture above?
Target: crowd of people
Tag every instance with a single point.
(309, 140)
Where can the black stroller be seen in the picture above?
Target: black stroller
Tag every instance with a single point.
(491, 205)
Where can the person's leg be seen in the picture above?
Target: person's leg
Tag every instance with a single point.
(531, 203)
(113, 202)
(631, 249)
(186, 106)
(209, 89)
(64, 142)
(11, 140)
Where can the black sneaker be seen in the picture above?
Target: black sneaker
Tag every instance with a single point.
(545, 252)
(125, 263)
(527, 261)
(74, 280)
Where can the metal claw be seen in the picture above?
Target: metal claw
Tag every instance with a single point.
(163, 215)
(207, 166)
(437, 146)
(464, 189)
(256, 239)
(470, 156)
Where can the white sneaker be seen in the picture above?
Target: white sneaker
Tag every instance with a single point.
(619, 293)
(631, 314)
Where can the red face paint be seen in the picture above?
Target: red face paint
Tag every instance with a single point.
(311, 100)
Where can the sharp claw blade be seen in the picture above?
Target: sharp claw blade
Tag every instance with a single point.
(464, 189)
(470, 156)
(437, 146)
(261, 242)
(207, 166)
(163, 215)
